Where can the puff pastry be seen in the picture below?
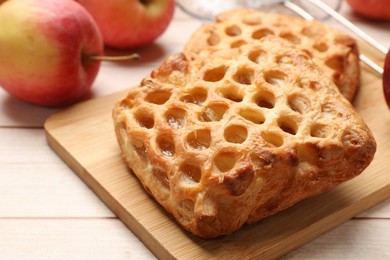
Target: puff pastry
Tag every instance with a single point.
(335, 52)
(239, 136)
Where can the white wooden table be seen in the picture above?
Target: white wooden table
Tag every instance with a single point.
(47, 212)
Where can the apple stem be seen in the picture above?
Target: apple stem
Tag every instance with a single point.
(134, 56)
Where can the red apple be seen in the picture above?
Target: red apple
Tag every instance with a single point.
(45, 50)
(130, 23)
(386, 79)
(374, 9)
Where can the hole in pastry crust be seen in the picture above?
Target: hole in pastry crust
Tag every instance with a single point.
(244, 76)
(312, 31)
(195, 96)
(252, 115)
(290, 37)
(264, 99)
(158, 97)
(320, 130)
(144, 119)
(213, 112)
(287, 125)
(321, 46)
(215, 74)
(299, 103)
(161, 176)
(336, 63)
(232, 94)
(233, 30)
(191, 172)
(273, 138)
(225, 161)
(166, 145)
(276, 78)
(213, 39)
(252, 20)
(237, 44)
(258, 34)
(258, 56)
(199, 139)
(236, 134)
(176, 117)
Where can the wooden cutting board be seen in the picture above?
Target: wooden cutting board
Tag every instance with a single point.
(83, 137)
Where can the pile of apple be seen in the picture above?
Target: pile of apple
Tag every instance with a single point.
(50, 50)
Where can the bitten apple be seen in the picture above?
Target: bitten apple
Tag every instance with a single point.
(45, 50)
(130, 23)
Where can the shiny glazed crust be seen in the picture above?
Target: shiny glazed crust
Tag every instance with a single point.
(239, 136)
(334, 52)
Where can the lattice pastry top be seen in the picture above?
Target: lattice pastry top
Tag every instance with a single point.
(334, 52)
(239, 136)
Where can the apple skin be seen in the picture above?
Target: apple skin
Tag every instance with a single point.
(45, 50)
(128, 24)
(373, 9)
(386, 79)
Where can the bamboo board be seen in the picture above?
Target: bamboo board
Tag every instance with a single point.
(83, 137)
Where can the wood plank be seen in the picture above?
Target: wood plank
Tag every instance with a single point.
(381, 210)
(108, 239)
(34, 182)
(356, 239)
(16, 113)
(69, 239)
(83, 136)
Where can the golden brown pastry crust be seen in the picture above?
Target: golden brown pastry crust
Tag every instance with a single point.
(239, 136)
(334, 52)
